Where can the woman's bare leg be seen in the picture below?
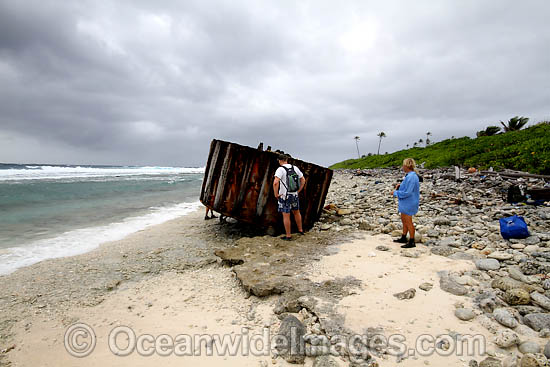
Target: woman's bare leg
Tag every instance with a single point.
(410, 225)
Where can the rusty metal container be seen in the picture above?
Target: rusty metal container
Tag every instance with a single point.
(238, 183)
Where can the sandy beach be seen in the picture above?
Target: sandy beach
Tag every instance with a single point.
(209, 300)
(151, 297)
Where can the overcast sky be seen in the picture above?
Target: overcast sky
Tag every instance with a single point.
(153, 82)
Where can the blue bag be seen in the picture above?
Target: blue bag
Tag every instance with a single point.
(513, 227)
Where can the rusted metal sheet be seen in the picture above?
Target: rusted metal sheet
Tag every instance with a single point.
(238, 183)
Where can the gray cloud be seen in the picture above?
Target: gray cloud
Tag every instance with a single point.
(140, 82)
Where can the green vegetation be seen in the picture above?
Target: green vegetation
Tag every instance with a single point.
(524, 150)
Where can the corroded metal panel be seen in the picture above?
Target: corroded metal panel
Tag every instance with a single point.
(238, 183)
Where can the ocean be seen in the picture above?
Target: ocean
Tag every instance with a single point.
(49, 211)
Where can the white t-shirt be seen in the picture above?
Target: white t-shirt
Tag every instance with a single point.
(281, 173)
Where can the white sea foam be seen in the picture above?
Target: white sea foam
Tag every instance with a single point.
(59, 172)
(82, 240)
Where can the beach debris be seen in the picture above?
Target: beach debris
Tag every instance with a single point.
(238, 183)
(408, 294)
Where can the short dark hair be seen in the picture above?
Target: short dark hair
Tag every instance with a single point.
(282, 157)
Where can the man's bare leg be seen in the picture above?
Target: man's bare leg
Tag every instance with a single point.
(298, 219)
(286, 221)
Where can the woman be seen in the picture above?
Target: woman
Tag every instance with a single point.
(408, 193)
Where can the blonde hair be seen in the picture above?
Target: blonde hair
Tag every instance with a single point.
(410, 164)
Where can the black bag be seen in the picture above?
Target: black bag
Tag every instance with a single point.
(515, 195)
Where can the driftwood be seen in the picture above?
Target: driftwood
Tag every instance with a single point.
(515, 174)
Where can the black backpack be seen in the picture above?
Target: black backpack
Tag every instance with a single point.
(292, 180)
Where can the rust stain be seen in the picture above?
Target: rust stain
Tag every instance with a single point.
(238, 183)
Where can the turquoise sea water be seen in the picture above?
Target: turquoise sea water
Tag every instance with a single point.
(51, 211)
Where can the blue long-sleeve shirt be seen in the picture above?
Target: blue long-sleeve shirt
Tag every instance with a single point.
(409, 194)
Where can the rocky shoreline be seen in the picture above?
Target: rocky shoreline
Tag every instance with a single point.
(506, 291)
(510, 287)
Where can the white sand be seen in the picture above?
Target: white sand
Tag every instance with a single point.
(429, 312)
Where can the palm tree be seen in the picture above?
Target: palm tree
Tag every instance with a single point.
(420, 141)
(489, 131)
(381, 135)
(515, 123)
(415, 144)
(428, 141)
(407, 146)
(357, 145)
(428, 134)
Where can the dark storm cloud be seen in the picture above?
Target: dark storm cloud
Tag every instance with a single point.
(140, 82)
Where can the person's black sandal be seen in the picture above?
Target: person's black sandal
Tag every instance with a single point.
(285, 238)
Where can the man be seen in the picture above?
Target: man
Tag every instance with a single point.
(285, 176)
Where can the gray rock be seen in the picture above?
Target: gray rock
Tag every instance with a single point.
(537, 321)
(527, 309)
(505, 283)
(546, 284)
(442, 221)
(544, 333)
(487, 264)
(547, 350)
(410, 253)
(516, 273)
(382, 248)
(426, 286)
(504, 317)
(461, 256)
(506, 338)
(452, 287)
(517, 296)
(526, 331)
(490, 362)
(408, 294)
(540, 300)
(511, 361)
(325, 361)
(500, 255)
(533, 360)
(442, 250)
(465, 314)
(290, 340)
(529, 347)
